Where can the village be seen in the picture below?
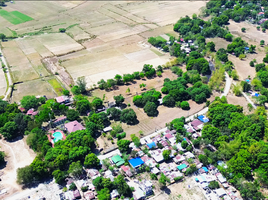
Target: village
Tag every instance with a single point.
(182, 162)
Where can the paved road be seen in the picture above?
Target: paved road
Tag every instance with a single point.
(8, 76)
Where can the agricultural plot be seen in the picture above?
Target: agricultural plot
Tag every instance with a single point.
(3, 84)
(15, 17)
(34, 87)
(20, 67)
(56, 86)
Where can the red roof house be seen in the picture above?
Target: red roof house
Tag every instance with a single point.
(74, 126)
(127, 170)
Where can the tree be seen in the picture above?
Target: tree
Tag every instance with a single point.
(246, 86)
(81, 83)
(2, 37)
(75, 90)
(128, 90)
(66, 92)
(121, 186)
(151, 109)
(166, 154)
(9, 130)
(251, 63)
(265, 59)
(213, 185)
(59, 176)
(29, 102)
(153, 176)
(243, 29)
(261, 100)
(72, 115)
(234, 75)
(83, 106)
(168, 101)
(97, 102)
(203, 159)
(185, 105)
(72, 186)
(75, 169)
(2, 157)
(135, 140)
(229, 37)
(62, 30)
(119, 99)
(242, 56)
(184, 144)
(104, 194)
(25, 175)
(262, 42)
(123, 145)
(211, 133)
(128, 116)
(92, 161)
(211, 46)
(237, 90)
(163, 180)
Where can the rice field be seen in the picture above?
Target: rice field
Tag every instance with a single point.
(15, 17)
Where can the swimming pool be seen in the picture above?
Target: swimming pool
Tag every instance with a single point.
(57, 136)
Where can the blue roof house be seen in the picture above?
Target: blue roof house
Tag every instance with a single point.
(136, 162)
(151, 145)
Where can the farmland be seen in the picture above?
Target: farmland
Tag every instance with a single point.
(15, 17)
(101, 40)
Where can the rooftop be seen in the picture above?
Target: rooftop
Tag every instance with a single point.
(74, 126)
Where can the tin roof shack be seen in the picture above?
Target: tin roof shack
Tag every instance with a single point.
(89, 195)
(76, 194)
(197, 125)
(220, 192)
(93, 173)
(126, 170)
(114, 194)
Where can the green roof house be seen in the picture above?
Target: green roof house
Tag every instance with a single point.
(182, 166)
(118, 160)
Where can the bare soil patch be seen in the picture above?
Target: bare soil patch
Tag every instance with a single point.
(18, 155)
(235, 100)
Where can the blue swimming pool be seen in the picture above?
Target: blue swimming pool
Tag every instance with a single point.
(57, 136)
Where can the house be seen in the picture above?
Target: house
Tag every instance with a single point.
(138, 194)
(221, 178)
(126, 170)
(182, 166)
(157, 155)
(114, 194)
(146, 187)
(32, 112)
(69, 195)
(117, 160)
(136, 162)
(151, 145)
(69, 181)
(220, 192)
(155, 170)
(179, 158)
(89, 195)
(93, 173)
(111, 104)
(107, 129)
(76, 194)
(59, 121)
(197, 125)
(22, 109)
(74, 126)
(63, 99)
(109, 174)
(203, 119)
(188, 155)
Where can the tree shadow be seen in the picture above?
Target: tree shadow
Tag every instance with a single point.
(3, 165)
(15, 139)
(123, 106)
(134, 122)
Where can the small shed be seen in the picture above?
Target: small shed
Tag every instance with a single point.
(107, 129)
(205, 169)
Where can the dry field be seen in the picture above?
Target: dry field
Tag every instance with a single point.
(34, 87)
(232, 99)
(105, 38)
(3, 84)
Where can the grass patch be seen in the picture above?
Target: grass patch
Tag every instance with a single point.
(56, 85)
(7, 82)
(160, 38)
(157, 52)
(15, 17)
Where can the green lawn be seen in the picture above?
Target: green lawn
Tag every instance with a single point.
(160, 38)
(56, 85)
(15, 17)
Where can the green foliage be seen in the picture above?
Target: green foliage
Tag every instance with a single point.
(148, 70)
(262, 42)
(123, 145)
(24, 175)
(115, 113)
(75, 169)
(72, 186)
(29, 102)
(150, 109)
(2, 157)
(213, 185)
(163, 180)
(199, 64)
(62, 30)
(9, 130)
(104, 194)
(211, 46)
(119, 99)
(92, 161)
(128, 116)
(83, 106)
(72, 115)
(185, 105)
(75, 90)
(184, 144)
(153, 176)
(59, 176)
(243, 29)
(135, 139)
(121, 186)
(166, 154)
